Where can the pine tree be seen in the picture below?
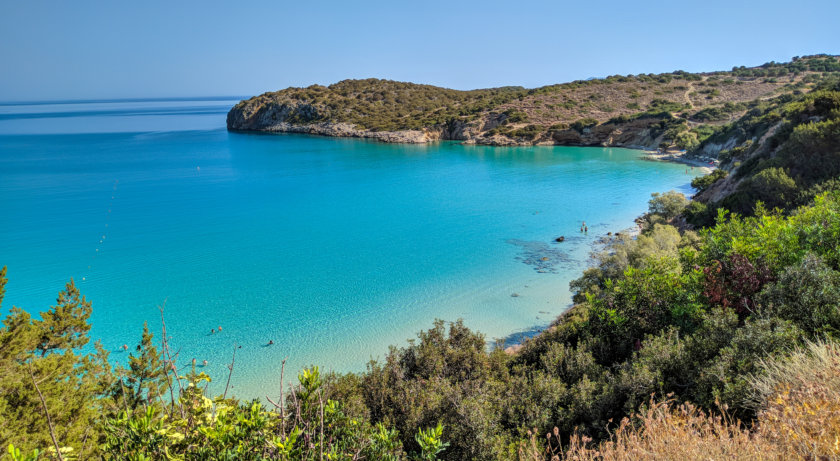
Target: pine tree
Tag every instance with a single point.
(65, 325)
(145, 371)
(41, 373)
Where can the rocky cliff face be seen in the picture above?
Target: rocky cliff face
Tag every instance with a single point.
(269, 116)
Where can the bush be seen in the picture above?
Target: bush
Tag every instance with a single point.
(702, 183)
(808, 294)
(580, 125)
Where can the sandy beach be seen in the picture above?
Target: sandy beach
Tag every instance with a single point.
(704, 164)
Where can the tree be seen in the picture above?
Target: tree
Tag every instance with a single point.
(65, 325)
(686, 140)
(669, 204)
(773, 187)
(145, 375)
(42, 373)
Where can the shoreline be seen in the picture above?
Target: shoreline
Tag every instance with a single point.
(416, 137)
(705, 166)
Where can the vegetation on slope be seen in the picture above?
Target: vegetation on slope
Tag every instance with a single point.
(784, 151)
(688, 103)
(385, 105)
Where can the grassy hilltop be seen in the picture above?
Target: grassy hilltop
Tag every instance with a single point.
(645, 109)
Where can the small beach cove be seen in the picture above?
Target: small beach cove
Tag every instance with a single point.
(332, 249)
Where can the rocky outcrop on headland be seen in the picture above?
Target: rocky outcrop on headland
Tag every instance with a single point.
(305, 118)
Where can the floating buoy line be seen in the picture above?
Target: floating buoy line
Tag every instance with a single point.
(104, 232)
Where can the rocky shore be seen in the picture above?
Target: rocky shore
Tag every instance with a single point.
(303, 118)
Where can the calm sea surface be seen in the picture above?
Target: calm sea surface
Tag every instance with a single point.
(332, 248)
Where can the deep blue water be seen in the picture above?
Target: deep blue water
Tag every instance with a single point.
(332, 248)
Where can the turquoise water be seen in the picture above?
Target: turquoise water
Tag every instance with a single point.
(332, 248)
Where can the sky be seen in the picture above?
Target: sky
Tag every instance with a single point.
(81, 49)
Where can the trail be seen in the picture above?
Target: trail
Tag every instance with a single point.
(687, 92)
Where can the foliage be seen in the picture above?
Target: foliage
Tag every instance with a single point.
(44, 373)
(582, 124)
(702, 183)
(668, 204)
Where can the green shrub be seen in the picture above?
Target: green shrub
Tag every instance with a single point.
(702, 183)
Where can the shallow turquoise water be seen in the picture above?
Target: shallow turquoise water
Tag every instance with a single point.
(332, 248)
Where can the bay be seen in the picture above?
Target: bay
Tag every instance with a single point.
(333, 249)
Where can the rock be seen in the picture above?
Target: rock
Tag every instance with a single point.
(264, 113)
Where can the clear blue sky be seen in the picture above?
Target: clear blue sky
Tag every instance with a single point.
(59, 49)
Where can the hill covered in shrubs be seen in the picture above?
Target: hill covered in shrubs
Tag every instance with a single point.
(649, 110)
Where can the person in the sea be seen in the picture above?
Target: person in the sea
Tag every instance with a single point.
(270, 342)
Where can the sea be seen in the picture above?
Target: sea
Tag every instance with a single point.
(317, 251)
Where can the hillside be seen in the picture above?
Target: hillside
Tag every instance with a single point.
(646, 110)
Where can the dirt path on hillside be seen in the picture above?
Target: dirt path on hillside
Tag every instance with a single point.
(687, 92)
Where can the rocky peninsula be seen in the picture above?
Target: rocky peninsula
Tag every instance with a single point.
(676, 110)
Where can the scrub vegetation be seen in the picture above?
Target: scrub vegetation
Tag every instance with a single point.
(689, 106)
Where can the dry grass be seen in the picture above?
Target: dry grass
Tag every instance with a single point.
(801, 395)
(666, 432)
(799, 419)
